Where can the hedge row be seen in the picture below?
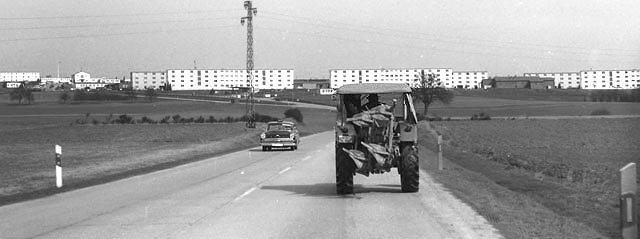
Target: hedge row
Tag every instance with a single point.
(175, 119)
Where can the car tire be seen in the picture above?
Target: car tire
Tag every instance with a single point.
(264, 148)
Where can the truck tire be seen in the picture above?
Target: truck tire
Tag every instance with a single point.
(410, 170)
(264, 148)
(344, 172)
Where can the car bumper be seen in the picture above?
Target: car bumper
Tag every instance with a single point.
(278, 143)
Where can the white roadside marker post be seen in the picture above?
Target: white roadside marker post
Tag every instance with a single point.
(628, 190)
(440, 167)
(58, 166)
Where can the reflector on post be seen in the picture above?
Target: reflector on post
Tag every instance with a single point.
(58, 166)
(628, 191)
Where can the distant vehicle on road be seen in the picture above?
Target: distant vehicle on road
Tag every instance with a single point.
(280, 134)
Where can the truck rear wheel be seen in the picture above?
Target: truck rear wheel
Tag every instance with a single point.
(344, 172)
(410, 170)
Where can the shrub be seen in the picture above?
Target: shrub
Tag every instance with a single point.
(177, 119)
(124, 119)
(481, 116)
(294, 113)
(165, 120)
(200, 120)
(211, 119)
(147, 120)
(600, 112)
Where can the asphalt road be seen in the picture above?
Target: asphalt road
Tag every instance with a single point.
(249, 194)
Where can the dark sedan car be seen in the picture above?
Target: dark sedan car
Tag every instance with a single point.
(280, 134)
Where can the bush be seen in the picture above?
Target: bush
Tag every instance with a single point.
(600, 112)
(176, 119)
(295, 114)
(200, 120)
(481, 116)
(147, 120)
(124, 119)
(165, 120)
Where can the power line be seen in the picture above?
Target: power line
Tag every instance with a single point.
(439, 36)
(114, 15)
(446, 41)
(109, 24)
(434, 48)
(115, 34)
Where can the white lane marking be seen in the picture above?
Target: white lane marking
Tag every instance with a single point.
(284, 170)
(245, 194)
(306, 158)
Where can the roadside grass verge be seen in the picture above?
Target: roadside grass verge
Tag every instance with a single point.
(93, 154)
(569, 167)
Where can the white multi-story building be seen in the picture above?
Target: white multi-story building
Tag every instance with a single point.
(218, 79)
(467, 79)
(19, 76)
(563, 80)
(406, 76)
(609, 79)
(148, 79)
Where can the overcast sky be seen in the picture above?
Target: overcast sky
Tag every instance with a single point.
(113, 37)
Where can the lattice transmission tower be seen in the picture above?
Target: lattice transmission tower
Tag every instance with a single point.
(251, 11)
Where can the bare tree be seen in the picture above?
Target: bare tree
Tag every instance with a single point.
(150, 93)
(429, 90)
(65, 96)
(131, 94)
(22, 93)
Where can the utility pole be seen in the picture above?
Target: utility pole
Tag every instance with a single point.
(251, 122)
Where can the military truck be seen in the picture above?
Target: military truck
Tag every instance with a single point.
(372, 136)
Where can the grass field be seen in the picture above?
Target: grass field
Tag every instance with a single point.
(95, 153)
(568, 166)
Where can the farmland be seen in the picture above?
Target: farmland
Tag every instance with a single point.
(568, 166)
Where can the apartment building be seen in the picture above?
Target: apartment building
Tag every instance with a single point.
(340, 77)
(19, 76)
(221, 79)
(467, 79)
(148, 79)
(609, 79)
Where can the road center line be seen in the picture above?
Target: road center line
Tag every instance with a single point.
(284, 170)
(245, 194)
